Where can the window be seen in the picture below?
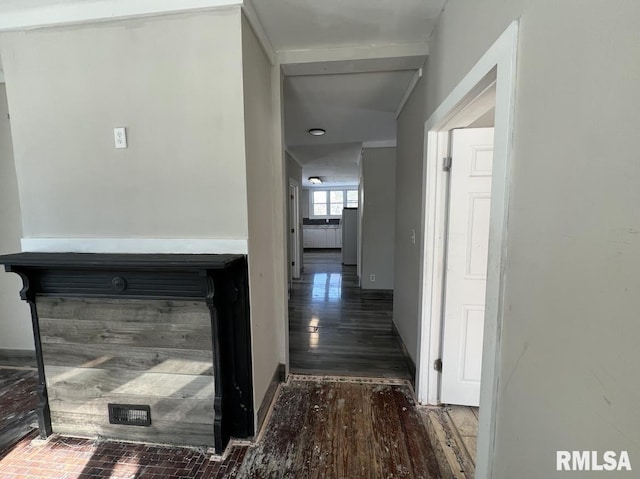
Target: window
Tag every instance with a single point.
(336, 202)
(352, 198)
(331, 202)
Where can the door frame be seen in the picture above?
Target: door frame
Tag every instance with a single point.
(497, 65)
(294, 219)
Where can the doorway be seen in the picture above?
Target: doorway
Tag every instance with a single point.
(496, 69)
(469, 169)
(339, 138)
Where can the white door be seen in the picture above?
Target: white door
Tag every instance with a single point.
(466, 267)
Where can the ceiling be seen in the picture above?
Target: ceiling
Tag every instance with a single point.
(306, 24)
(337, 165)
(356, 107)
(353, 108)
(356, 101)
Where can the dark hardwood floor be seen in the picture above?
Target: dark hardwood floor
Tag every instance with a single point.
(343, 429)
(334, 329)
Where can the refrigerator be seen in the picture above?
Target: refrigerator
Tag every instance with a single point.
(350, 236)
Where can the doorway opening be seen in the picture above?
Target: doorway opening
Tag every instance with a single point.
(466, 213)
(339, 135)
(492, 81)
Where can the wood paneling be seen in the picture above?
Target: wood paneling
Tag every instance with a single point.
(155, 352)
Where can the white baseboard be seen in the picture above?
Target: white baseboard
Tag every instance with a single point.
(136, 245)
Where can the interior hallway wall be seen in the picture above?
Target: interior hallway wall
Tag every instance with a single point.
(568, 365)
(304, 202)
(378, 211)
(263, 283)
(408, 218)
(15, 320)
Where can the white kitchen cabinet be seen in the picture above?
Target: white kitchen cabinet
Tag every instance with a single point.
(322, 237)
(307, 238)
(331, 238)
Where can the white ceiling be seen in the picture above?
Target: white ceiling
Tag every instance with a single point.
(355, 101)
(352, 108)
(305, 24)
(337, 165)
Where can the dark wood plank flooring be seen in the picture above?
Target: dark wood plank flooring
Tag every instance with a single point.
(334, 329)
(18, 401)
(342, 429)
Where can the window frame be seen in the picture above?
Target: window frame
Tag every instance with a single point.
(328, 200)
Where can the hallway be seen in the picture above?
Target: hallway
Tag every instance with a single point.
(337, 329)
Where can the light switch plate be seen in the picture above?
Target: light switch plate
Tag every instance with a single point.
(120, 136)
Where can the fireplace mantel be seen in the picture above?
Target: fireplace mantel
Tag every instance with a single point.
(219, 281)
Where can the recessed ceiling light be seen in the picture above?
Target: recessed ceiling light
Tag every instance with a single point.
(317, 131)
(315, 180)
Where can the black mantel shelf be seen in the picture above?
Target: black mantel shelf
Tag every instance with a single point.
(220, 280)
(121, 260)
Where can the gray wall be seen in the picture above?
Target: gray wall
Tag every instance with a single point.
(378, 217)
(568, 367)
(304, 202)
(175, 82)
(406, 297)
(258, 112)
(15, 321)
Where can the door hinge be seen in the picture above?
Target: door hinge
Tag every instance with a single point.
(446, 163)
(293, 230)
(291, 196)
(437, 365)
(293, 263)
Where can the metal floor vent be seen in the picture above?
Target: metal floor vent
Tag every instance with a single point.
(130, 414)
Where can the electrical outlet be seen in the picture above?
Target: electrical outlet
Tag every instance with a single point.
(372, 278)
(120, 136)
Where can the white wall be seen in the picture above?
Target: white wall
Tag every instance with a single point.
(15, 320)
(568, 376)
(263, 283)
(175, 82)
(378, 217)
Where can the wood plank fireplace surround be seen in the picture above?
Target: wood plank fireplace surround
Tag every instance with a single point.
(141, 347)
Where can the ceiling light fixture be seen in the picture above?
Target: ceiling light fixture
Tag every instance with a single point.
(315, 180)
(317, 131)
